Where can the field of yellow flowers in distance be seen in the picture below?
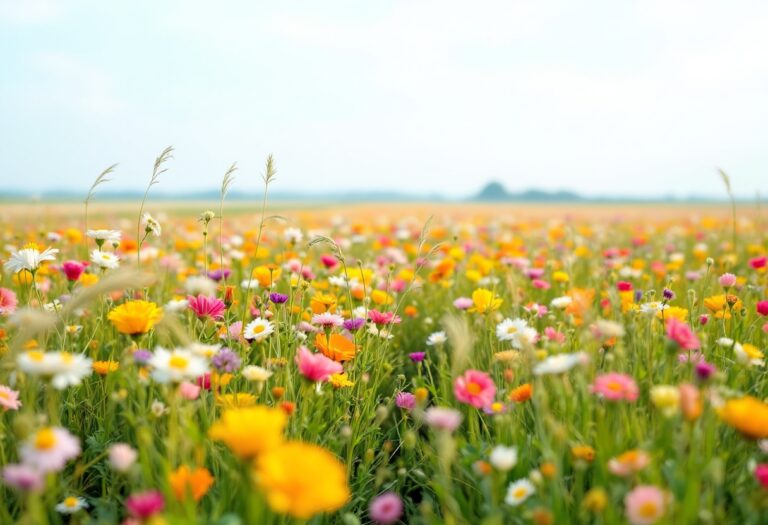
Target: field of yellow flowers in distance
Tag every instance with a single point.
(281, 363)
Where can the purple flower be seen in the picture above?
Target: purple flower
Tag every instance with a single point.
(638, 295)
(417, 357)
(668, 294)
(142, 356)
(225, 360)
(218, 275)
(278, 298)
(705, 370)
(405, 400)
(354, 324)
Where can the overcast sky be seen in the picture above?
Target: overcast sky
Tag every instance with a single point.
(601, 97)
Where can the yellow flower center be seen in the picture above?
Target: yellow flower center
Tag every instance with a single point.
(178, 362)
(258, 329)
(66, 357)
(36, 356)
(4, 395)
(70, 502)
(511, 330)
(648, 509)
(45, 439)
(614, 386)
(519, 492)
(474, 388)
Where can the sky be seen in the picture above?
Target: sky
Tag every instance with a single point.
(416, 96)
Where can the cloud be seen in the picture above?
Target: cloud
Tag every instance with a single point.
(21, 11)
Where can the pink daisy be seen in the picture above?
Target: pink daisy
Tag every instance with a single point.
(475, 388)
(207, 307)
(615, 387)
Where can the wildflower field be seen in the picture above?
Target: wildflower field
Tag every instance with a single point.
(249, 363)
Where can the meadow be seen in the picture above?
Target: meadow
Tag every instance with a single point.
(244, 363)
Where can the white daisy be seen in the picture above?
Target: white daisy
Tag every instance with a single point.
(258, 330)
(519, 491)
(101, 236)
(176, 305)
(71, 504)
(63, 368)
(203, 350)
(557, 364)
(105, 260)
(249, 284)
(29, 259)
(436, 338)
(517, 331)
(200, 285)
(561, 302)
(176, 365)
(256, 373)
(293, 235)
(151, 225)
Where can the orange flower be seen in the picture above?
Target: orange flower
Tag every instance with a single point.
(583, 452)
(337, 347)
(135, 317)
(522, 393)
(748, 415)
(323, 303)
(194, 482)
(104, 367)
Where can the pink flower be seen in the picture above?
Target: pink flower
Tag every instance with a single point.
(383, 318)
(189, 390)
(463, 303)
(386, 509)
(8, 301)
(645, 505)
(145, 504)
(316, 367)
(541, 284)
(49, 449)
(122, 456)
(442, 418)
(761, 474)
(405, 400)
(9, 399)
(628, 463)
(727, 280)
(234, 332)
(615, 387)
(475, 388)
(758, 262)
(553, 335)
(72, 270)
(762, 308)
(329, 261)
(681, 333)
(23, 477)
(207, 307)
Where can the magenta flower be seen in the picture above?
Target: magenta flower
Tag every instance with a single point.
(383, 318)
(72, 270)
(207, 307)
(615, 387)
(316, 367)
(143, 505)
(762, 308)
(475, 388)
(681, 333)
(761, 474)
(386, 509)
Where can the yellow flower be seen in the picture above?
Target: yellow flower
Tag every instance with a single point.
(236, 400)
(266, 275)
(340, 381)
(249, 431)
(135, 317)
(583, 452)
(381, 297)
(485, 301)
(302, 480)
(104, 367)
(719, 305)
(748, 415)
(185, 481)
(666, 398)
(88, 279)
(560, 277)
(595, 500)
(681, 314)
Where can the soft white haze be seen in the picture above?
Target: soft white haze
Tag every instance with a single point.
(610, 97)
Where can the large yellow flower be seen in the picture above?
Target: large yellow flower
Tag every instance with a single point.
(302, 480)
(485, 301)
(748, 415)
(718, 305)
(249, 431)
(135, 317)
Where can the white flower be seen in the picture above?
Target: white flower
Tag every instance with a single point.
(200, 285)
(436, 338)
(503, 458)
(293, 235)
(256, 373)
(249, 284)
(158, 408)
(258, 330)
(517, 331)
(176, 305)
(557, 364)
(607, 329)
(53, 236)
(151, 225)
(105, 260)
(63, 368)
(29, 259)
(379, 332)
(748, 354)
(725, 342)
(71, 504)
(100, 236)
(203, 350)
(176, 365)
(653, 308)
(519, 491)
(561, 302)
